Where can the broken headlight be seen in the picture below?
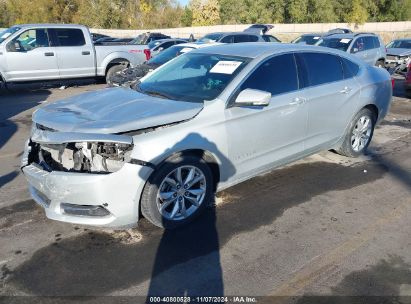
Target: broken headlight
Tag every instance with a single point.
(92, 157)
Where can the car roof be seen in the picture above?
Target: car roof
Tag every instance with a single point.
(349, 35)
(232, 33)
(198, 45)
(48, 25)
(256, 49)
(168, 39)
(402, 39)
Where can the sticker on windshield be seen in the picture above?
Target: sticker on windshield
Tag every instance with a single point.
(225, 67)
(5, 35)
(316, 38)
(186, 49)
(345, 40)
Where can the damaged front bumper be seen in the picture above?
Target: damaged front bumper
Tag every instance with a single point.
(107, 200)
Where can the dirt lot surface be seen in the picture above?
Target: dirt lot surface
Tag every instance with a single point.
(326, 225)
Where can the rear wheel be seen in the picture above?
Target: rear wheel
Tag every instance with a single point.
(113, 71)
(177, 192)
(380, 64)
(359, 134)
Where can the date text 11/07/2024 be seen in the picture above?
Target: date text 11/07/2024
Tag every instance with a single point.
(208, 299)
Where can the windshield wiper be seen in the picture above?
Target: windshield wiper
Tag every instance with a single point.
(156, 94)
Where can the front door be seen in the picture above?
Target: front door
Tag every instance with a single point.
(262, 137)
(29, 56)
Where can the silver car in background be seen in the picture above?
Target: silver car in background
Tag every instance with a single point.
(202, 122)
(366, 46)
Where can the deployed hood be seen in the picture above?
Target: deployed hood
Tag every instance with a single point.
(398, 52)
(113, 110)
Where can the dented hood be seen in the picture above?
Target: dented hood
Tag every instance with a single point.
(399, 52)
(113, 110)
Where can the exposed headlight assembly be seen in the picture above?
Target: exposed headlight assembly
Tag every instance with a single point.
(92, 157)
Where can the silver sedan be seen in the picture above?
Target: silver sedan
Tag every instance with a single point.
(202, 122)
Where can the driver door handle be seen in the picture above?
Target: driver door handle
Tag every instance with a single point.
(346, 90)
(297, 101)
(47, 54)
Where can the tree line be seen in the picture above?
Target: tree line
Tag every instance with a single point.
(146, 14)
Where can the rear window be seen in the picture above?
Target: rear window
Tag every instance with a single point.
(245, 38)
(308, 39)
(376, 42)
(341, 44)
(320, 68)
(69, 37)
(350, 68)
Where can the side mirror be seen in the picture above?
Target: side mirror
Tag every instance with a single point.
(354, 50)
(251, 97)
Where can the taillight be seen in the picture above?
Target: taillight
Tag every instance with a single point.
(147, 52)
(392, 82)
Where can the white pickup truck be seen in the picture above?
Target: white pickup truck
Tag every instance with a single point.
(33, 52)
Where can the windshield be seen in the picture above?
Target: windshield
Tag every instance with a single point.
(169, 54)
(307, 39)
(193, 77)
(210, 38)
(336, 43)
(8, 32)
(400, 44)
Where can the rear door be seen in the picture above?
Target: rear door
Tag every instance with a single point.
(29, 56)
(75, 53)
(371, 50)
(332, 96)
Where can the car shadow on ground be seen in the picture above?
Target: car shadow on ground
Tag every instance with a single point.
(97, 263)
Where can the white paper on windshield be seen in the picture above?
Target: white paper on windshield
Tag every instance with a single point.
(185, 50)
(5, 35)
(345, 40)
(225, 67)
(316, 38)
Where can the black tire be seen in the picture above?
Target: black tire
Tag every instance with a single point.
(380, 63)
(112, 71)
(149, 207)
(346, 147)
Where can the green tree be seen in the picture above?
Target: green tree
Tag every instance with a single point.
(297, 11)
(187, 17)
(358, 13)
(321, 11)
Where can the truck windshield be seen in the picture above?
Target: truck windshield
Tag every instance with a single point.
(341, 44)
(193, 77)
(8, 32)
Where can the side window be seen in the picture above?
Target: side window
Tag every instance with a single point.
(358, 45)
(69, 37)
(165, 45)
(350, 68)
(227, 39)
(321, 68)
(276, 75)
(29, 40)
(368, 43)
(376, 42)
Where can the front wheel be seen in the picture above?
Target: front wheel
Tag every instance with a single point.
(359, 134)
(177, 192)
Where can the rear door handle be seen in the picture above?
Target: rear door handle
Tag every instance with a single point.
(346, 90)
(48, 54)
(297, 101)
(85, 53)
